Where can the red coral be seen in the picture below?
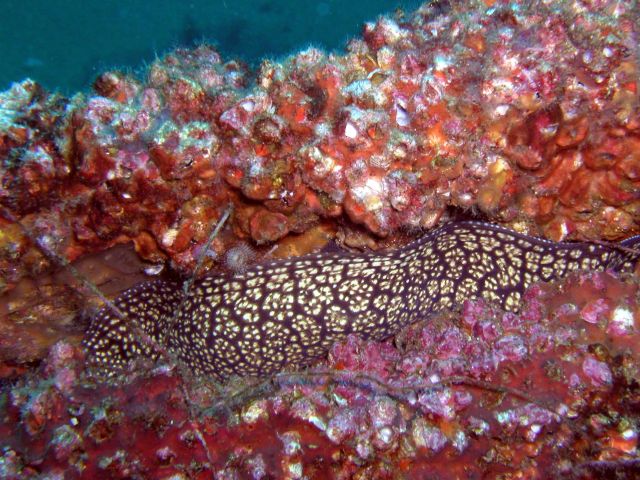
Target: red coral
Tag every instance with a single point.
(546, 390)
(389, 133)
(526, 112)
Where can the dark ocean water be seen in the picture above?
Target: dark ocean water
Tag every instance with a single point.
(64, 44)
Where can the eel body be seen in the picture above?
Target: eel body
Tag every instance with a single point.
(286, 313)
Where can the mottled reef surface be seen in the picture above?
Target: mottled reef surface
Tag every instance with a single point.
(525, 114)
(551, 391)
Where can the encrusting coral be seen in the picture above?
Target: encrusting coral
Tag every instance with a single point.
(547, 391)
(524, 113)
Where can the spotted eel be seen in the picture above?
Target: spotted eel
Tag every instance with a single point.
(285, 313)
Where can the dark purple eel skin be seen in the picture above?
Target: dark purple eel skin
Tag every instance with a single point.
(285, 313)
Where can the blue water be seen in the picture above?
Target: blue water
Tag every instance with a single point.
(64, 44)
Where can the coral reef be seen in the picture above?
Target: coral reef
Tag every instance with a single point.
(526, 113)
(551, 390)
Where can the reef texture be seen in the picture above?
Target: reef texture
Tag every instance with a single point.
(525, 112)
(552, 391)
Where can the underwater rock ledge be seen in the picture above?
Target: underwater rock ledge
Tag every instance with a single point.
(526, 113)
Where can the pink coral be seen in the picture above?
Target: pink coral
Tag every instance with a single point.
(363, 411)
